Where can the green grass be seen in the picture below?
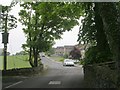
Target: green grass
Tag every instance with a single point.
(57, 58)
(19, 61)
(1, 62)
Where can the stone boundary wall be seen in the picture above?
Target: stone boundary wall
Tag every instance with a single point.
(100, 75)
(22, 71)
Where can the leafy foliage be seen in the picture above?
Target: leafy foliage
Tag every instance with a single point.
(92, 32)
(92, 56)
(75, 53)
(66, 56)
(45, 21)
(53, 17)
(7, 21)
(87, 32)
(51, 51)
(112, 29)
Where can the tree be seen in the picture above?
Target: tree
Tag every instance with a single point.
(112, 29)
(51, 51)
(92, 32)
(5, 17)
(8, 53)
(48, 23)
(22, 53)
(106, 21)
(75, 53)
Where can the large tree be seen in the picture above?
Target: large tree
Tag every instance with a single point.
(101, 27)
(47, 23)
(111, 21)
(92, 32)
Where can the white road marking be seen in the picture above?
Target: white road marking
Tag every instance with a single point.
(14, 84)
(54, 82)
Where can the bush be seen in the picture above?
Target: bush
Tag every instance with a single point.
(66, 56)
(82, 62)
(92, 55)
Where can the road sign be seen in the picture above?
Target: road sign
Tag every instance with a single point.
(5, 38)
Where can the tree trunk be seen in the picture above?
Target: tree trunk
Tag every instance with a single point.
(35, 53)
(30, 57)
(109, 14)
(35, 49)
(30, 52)
(102, 43)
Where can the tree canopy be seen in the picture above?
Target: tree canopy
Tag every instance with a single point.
(45, 21)
(8, 21)
(75, 53)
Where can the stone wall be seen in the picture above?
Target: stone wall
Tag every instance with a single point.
(22, 71)
(100, 75)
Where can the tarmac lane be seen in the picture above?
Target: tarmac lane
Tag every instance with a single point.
(55, 76)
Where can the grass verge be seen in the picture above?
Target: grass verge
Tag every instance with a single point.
(19, 61)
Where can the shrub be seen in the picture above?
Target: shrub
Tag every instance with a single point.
(66, 56)
(93, 55)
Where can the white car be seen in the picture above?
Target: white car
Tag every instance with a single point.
(76, 61)
(68, 62)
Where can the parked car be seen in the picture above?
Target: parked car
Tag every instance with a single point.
(68, 62)
(43, 55)
(76, 61)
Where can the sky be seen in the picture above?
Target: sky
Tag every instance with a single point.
(17, 37)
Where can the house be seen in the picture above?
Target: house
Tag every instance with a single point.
(59, 51)
(68, 49)
(63, 50)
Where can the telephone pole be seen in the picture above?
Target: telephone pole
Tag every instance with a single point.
(5, 41)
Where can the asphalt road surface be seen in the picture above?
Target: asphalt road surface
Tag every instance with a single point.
(55, 76)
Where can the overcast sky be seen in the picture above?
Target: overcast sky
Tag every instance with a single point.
(17, 37)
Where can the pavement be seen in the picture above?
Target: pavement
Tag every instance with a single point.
(55, 75)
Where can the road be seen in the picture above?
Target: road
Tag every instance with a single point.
(55, 76)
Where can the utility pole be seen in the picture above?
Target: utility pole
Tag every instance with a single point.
(5, 56)
(5, 27)
(5, 41)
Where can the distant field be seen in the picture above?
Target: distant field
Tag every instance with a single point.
(19, 61)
